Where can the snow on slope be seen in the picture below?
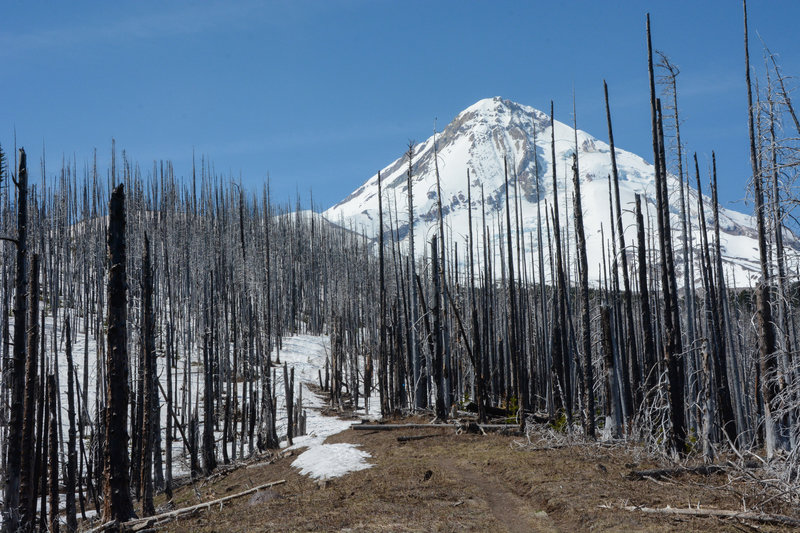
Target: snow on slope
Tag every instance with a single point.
(306, 354)
(479, 139)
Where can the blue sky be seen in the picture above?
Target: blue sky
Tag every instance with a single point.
(321, 94)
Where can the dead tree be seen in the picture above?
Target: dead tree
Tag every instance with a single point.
(561, 358)
(477, 363)
(420, 380)
(52, 434)
(27, 498)
(72, 455)
(764, 323)
(209, 453)
(117, 504)
(288, 383)
(672, 331)
(669, 79)
(11, 507)
(513, 319)
(445, 333)
(148, 353)
(721, 363)
(383, 368)
(583, 271)
(651, 364)
(635, 371)
(441, 410)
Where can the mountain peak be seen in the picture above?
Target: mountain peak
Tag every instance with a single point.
(495, 131)
(489, 105)
(500, 110)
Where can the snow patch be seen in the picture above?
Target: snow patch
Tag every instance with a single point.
(306, 353)
(327, 461)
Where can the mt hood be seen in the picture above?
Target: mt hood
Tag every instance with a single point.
(485, 134)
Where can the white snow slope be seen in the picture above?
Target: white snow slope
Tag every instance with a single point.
(479, 139)
(306, 353)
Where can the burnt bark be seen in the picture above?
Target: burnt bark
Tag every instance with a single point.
(28, 478)
(117, 504)
(52, 448)
(148, 353)
(11, 506)
(72, 454)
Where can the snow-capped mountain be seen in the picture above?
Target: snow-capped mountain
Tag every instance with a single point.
(479, 139)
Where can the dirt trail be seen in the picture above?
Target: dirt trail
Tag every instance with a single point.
(513, 513)
(466, 482)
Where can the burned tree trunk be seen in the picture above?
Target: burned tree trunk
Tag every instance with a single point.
(72, 457)
(383, 368)
(117, 504)
(764, 323)
(561, 357)
(651, 365)
(441, 410)
(721, 366)
(169, 402)
(420, 379)
(52, 447)
(583, 271)
(11, 507)
(477, 363)
(209, 453)
(513, 319)
(672, 331)
(27, 498)
(288, 383)
(148, 353)
(631, 352)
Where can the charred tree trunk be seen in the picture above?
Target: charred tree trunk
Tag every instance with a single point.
(583, 271)
(513, 319)
(441, 410)
(672, 344)
(420, 380)
(11, 507)
(644, 300)
(168, 399)
(383, 369)
(29, 480)
(52, 448)
(117, 504)
(72, 458)
(477, 364)
(288, 383)
(561, 358)
(764, 324)
(721, 363)
(631, 352)
(209, 453)
(148, 352)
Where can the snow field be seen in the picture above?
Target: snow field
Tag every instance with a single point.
(305, 353)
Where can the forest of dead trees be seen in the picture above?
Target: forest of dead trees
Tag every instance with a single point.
(143, 316)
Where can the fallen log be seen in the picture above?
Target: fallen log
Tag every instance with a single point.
(499, 412)
(775, 519)
(140, 524)
(391, 427)
(415, 437)
(659, 473)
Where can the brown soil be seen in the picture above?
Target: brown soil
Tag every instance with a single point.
(466, 482)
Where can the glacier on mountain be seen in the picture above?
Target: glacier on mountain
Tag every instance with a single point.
(492, 130)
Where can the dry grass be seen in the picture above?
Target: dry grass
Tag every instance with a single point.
(463, 482)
